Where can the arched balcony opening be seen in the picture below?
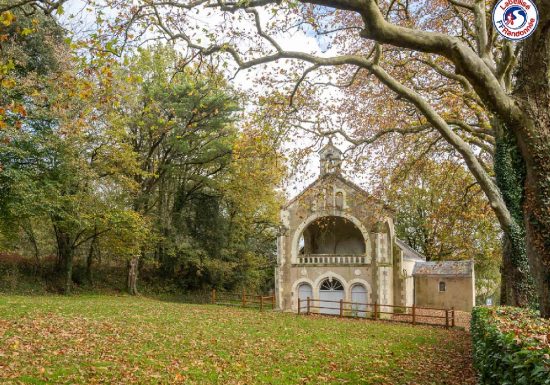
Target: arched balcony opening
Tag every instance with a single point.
(331, 240)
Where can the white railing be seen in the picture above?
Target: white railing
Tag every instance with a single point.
(332, 259)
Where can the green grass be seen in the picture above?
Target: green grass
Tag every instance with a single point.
(120, 340)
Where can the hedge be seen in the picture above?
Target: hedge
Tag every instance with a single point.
(511, 346)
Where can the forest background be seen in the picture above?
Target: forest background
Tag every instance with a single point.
(142, 171)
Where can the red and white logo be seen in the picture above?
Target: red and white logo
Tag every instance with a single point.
(515, 19)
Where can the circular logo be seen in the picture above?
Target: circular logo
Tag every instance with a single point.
(515, 19)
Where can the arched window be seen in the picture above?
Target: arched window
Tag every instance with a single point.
(331, 284)
(340, 200)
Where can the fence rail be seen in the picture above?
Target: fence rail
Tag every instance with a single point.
(243, 299)
(409, 314)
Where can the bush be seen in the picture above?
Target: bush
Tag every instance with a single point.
(511, 346)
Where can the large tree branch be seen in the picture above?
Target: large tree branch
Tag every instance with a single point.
(467, 62)
(485, 181)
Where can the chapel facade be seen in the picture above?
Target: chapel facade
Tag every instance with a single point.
(337, 242)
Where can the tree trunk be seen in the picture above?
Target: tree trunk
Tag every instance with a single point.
(518, 288)
(27, 228)
(532, 93)
(66, 254)
(90, 261)
(131, 281)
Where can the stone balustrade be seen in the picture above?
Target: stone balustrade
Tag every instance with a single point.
(332, 259)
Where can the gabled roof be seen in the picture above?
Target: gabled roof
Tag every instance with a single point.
(347, 182)
(409, 252)
(329, 147)
(444, 268)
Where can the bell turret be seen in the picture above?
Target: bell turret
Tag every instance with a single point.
(330, 159)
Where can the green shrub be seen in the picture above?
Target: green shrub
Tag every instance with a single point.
(511, 346)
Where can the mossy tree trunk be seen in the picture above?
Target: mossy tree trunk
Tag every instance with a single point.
(532, 94)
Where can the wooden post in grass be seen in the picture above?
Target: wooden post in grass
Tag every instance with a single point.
(453, 320)
(446, 318)
(341, 308)
(308, 305)
(261, 303)
(273, 302)
(299, 305)
(375, 310)
(414, 315)
(213, 296)
(244, 298)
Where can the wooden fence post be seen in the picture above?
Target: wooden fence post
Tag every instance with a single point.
(375, 310)
(261, 303)
(244, 298)
(446, 318)
(453, 320)
(414, 315)
(299, 305)
(341, 308)
(308, 305)
(213, 296)
(273, 302)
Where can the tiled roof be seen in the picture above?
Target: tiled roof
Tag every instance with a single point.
(409, 252)
(448, 268)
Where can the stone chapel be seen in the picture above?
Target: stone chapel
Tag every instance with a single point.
(338, 242)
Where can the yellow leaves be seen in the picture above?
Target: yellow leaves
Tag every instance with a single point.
(7, 18)
(7, 67)
(8, 83)
(26, 31)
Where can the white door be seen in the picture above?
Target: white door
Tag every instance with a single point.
(330, 294)
(359, 299)
(304, 291)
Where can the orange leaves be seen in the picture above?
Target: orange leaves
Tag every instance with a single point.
(13, 114)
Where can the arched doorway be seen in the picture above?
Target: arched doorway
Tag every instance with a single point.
(331, 291)
(359, 299)
(305, 291)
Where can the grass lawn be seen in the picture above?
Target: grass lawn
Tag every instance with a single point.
(120, 340)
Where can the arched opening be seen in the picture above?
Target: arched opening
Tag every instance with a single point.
(304, 291)
(331, 235)
(331, 291)
(359, 300)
